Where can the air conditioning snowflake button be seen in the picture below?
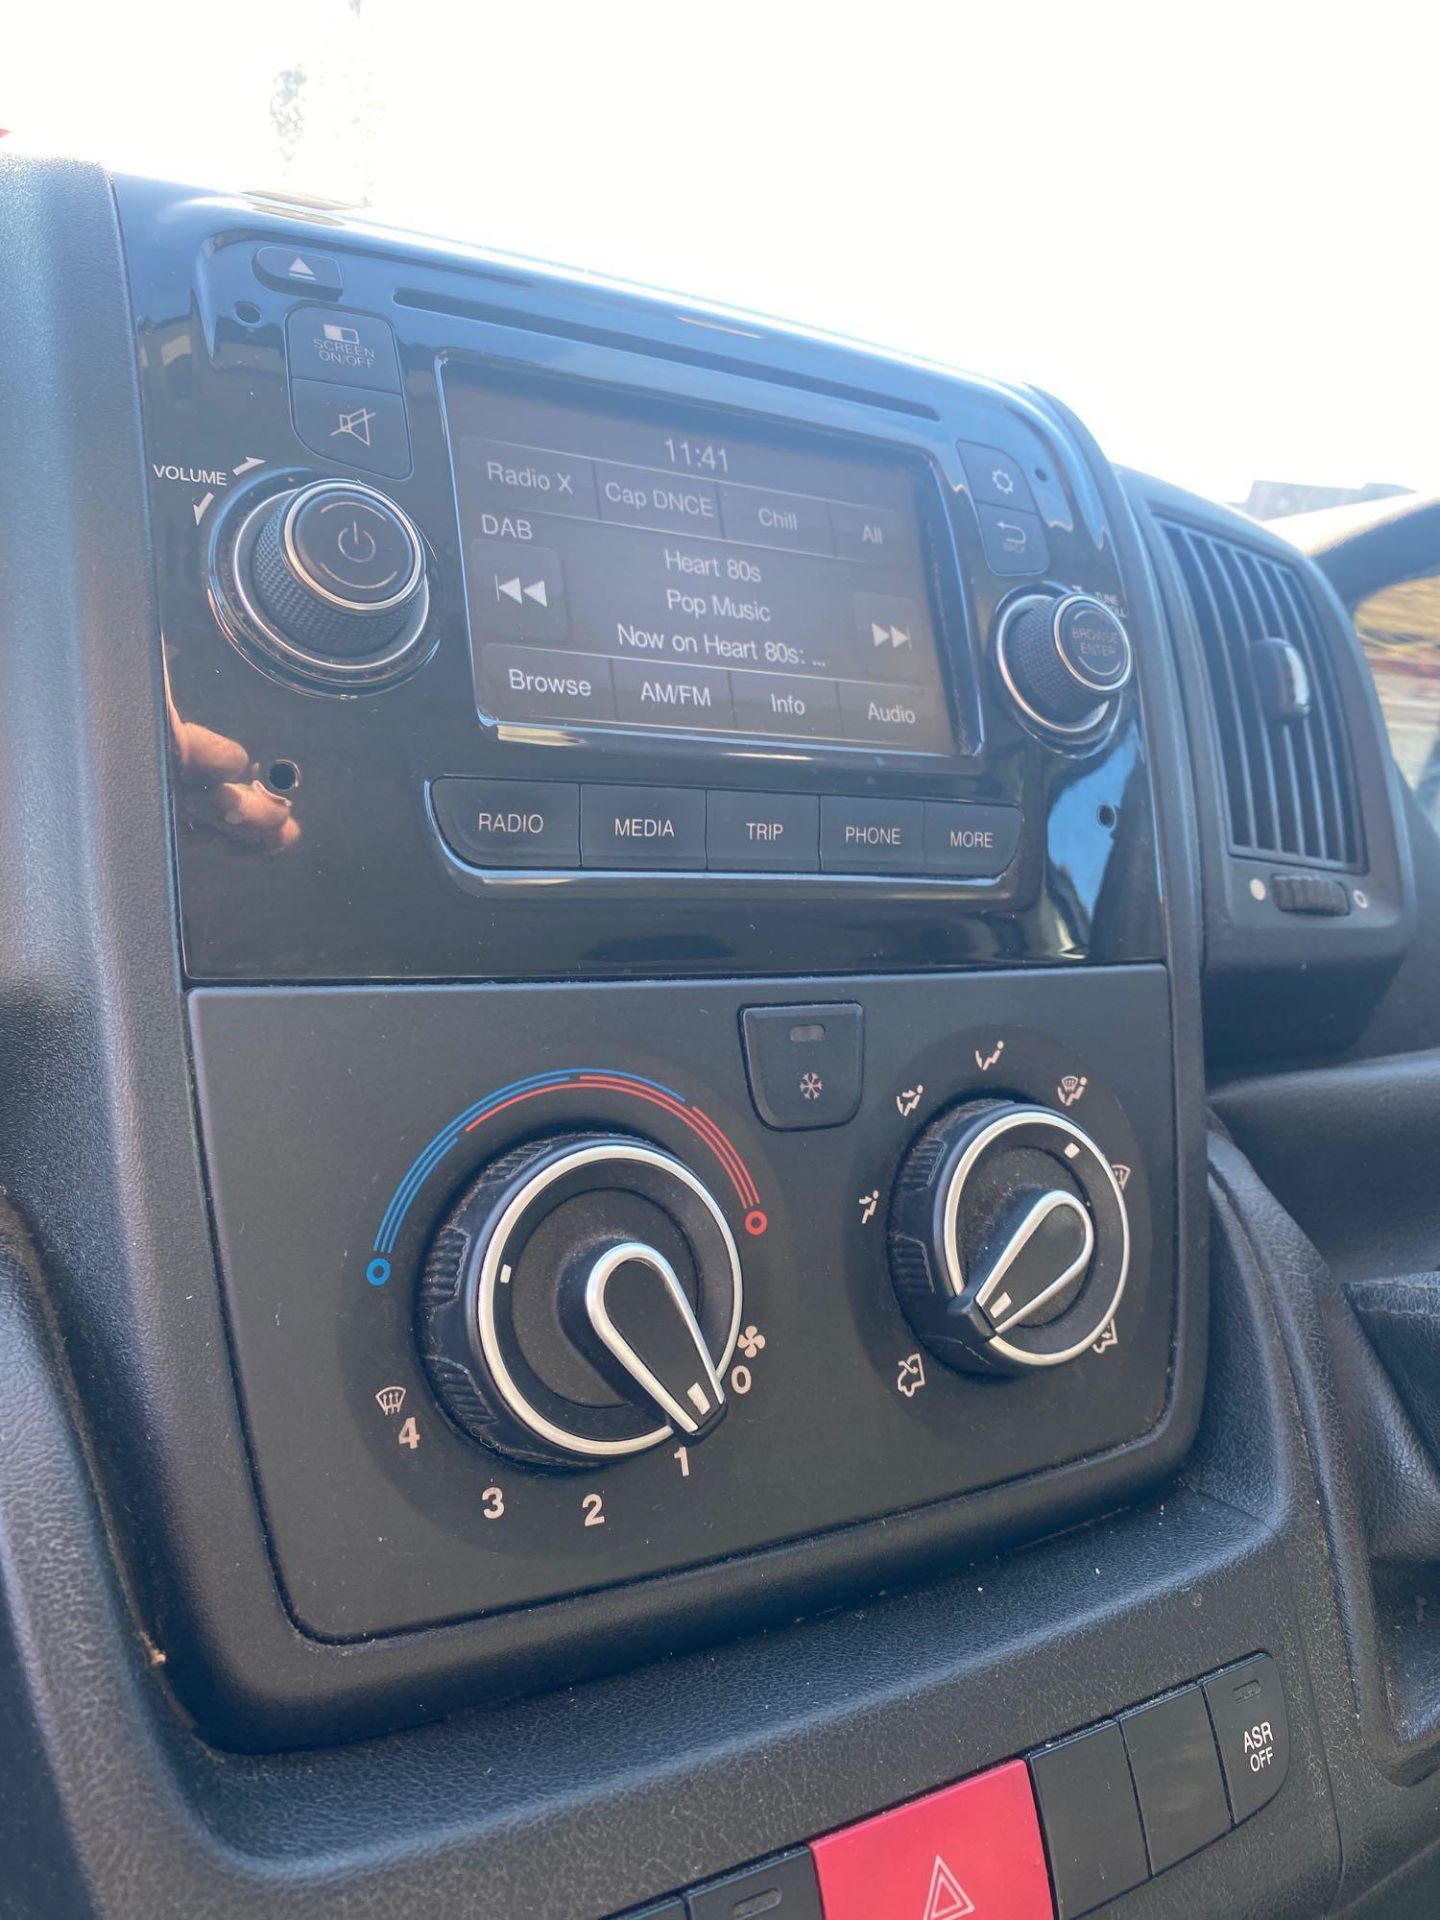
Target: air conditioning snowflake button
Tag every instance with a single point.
(1009, 1238)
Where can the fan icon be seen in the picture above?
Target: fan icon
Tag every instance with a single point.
(812, 1086)
(751, 1342)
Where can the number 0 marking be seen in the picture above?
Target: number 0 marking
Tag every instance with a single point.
(594, 1505)
(740, 1381)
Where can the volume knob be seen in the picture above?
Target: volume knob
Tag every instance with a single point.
(328, 581)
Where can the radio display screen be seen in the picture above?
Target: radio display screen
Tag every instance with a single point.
(643, 565)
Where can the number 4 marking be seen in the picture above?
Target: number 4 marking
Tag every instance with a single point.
(409, 1434)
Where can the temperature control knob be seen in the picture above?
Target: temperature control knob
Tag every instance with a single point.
(581, 1302)
(328, 581)
(1063, 661)
(1009, 1239)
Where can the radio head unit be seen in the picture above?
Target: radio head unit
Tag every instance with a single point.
(631, 563)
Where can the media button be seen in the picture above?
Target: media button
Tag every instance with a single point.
(537, 683)
(764, 519)
(1014, 540)
(355, 349)
(527, 477)
(892, 716)
(518, 588)
(872, 836)
(970, 841)
(509, 823)
(763, 832)
(878, 535)
(638, 497)
(642, 827)
(790, 705)
(657, 694)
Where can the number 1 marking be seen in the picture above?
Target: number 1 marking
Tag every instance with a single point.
(682, 1454)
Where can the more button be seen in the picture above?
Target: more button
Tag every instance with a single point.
(971, 842)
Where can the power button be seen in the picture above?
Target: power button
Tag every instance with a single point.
(353, 546)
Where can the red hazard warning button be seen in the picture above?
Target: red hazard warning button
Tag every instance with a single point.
(974, 1848)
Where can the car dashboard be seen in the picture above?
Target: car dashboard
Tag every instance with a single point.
(716, 1104)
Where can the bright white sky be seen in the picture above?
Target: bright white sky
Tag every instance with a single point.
(1211, 228)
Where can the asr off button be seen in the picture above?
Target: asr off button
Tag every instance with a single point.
(354, 547)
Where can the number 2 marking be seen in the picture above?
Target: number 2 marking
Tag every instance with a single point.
(594, 1505)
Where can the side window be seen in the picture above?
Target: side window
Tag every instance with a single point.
(1399, 628)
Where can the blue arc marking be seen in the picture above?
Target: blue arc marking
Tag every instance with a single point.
(435, 1150)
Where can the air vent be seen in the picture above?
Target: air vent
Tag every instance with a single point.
(1289, 780)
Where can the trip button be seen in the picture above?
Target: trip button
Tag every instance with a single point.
(642, 827)
(1014, 541)
(296, 269)
(509, 823)
(763, 832)
(354, 426)
(872, 836)
(995, 476)
(352, 349)
(1247, 1710)
(970, 842)
(806, 1065)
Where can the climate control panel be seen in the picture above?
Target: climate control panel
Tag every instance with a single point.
(586, 1290)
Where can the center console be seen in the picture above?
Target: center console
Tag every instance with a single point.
(680, 991)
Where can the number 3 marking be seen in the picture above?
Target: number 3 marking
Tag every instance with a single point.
(492, 1503)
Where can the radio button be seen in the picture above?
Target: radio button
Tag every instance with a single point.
(1014, 540)
(654, 694)
(539, 683)
(763, 832)
(639, 827)
(970, 841)
(786, 704)
(509, 823)
(872, 836)
(353, 426)
(350, 349)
